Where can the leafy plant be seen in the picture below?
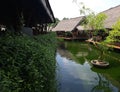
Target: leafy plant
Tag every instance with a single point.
(114, 35)
(93, 23)
(27, 64)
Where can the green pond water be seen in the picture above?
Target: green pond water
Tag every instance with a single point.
(76, 74)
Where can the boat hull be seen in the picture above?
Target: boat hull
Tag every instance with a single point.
(100, 64)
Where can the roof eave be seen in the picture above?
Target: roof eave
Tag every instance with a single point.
(48, 10)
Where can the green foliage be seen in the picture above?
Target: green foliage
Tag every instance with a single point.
(114, 35)
(92, 21)
(95, 22)
(27, 64)
(84, 10)
(99, 21)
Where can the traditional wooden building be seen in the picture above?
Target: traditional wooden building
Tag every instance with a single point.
(113, 15)
(29, 12)
(68, 28)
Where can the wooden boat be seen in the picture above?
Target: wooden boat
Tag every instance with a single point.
(100, 64)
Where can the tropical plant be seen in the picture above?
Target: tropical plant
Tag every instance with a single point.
(93, 22)
(114, 35)
(96, 22)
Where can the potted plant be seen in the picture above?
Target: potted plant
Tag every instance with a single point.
(99, 62)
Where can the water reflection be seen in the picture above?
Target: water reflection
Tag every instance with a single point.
(75, 77)
(82, 54)
(103, 85)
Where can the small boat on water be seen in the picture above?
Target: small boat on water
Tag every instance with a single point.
(100, 64)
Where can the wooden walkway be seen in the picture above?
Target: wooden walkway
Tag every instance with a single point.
(108, 45)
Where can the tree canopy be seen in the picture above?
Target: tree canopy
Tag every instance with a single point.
(93, 22)
(96, 22)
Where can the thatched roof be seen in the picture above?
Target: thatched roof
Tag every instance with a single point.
(68, 25)
(34, 11)
(113, 14)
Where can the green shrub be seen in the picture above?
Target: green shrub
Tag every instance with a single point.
(114, 34)
(27, 64)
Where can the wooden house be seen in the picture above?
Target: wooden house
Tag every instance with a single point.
(113, 15)
(68, 28)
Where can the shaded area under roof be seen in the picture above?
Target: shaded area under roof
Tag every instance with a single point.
(34, 11)
(68, 25)
(80, 27)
